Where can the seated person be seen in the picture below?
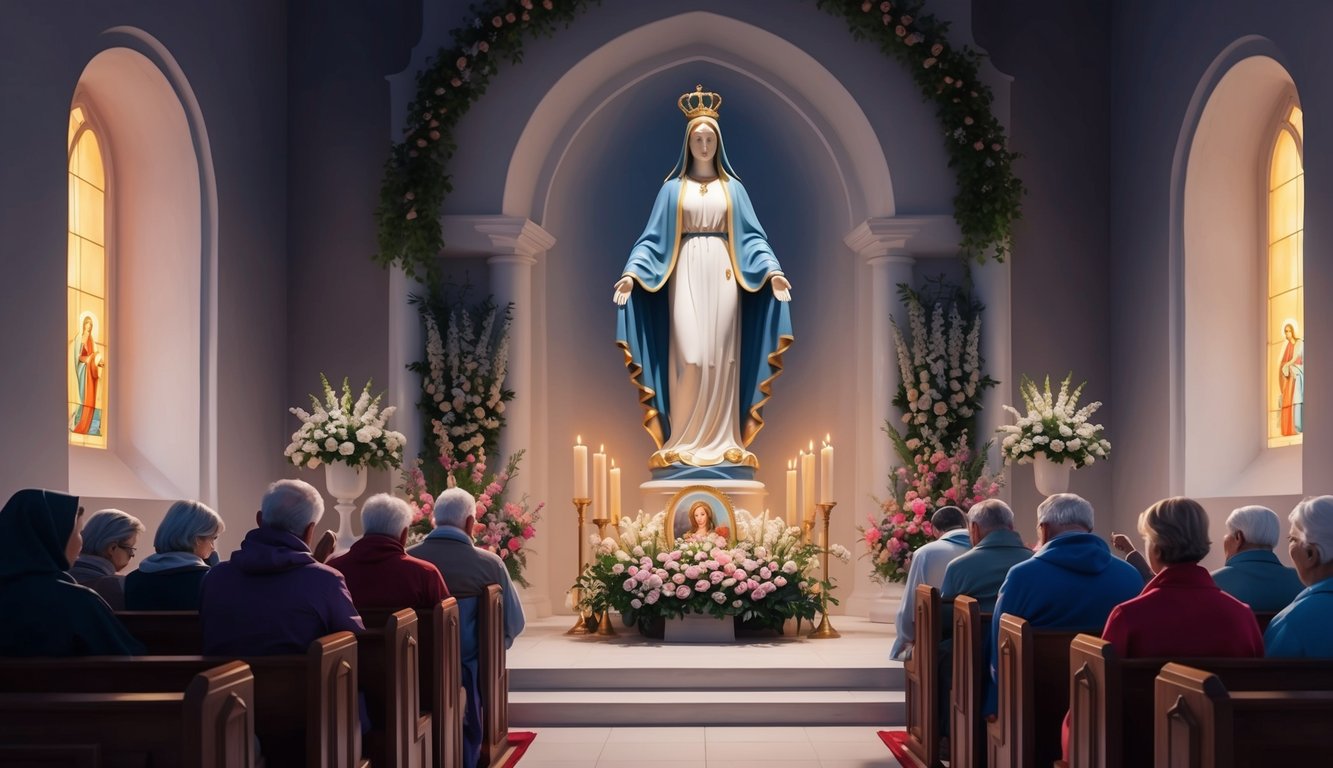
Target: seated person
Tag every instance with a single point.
(273, 597)
(979, 572)
(45, 612)
(1253, 574)
(1181, 612)
(109, 540)
(169, 579)
(1072, 582)
(949, 524)
(1304, 629)
(379, 572)
(703, 524)
(468, 570)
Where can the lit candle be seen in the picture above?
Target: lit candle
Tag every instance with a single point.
(600, 486)
(615, 493)
(808, 483)
(580, 468)
(793, 516)
(826, 471)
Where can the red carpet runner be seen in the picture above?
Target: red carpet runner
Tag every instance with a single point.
(519, 741)
(896, 741)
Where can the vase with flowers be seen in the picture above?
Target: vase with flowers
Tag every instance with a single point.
(347, 436)
(1054, 434)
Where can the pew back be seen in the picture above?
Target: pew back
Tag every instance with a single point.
(165, 633)
(494, 682)
(1200, 723)
(1111, 717)
(213, 717)
(971, 629)
(920, 672)
(1033, 697)
(390, 676)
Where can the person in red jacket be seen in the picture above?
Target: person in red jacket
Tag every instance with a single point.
(1181, 612)
(379, 572)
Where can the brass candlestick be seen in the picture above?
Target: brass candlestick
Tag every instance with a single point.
(807, 529)
(580, 626)
(825, 629)
(604, 628)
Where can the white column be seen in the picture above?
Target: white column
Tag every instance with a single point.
(992, 284)
(516, 245)
(881, 245)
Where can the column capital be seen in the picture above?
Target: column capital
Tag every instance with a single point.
(500, 238)
(895, 238)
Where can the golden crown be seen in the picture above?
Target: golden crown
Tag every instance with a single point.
(700, 103)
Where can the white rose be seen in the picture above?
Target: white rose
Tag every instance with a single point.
(499, 407)
(309, 446)
(331, 444)
(1058, 445)
(298, 458)
(313, 463)
(1074, 444)
(478, 412)
(347, 449)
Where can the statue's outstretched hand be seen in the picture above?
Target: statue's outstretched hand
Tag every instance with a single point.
(781, 288)
(623, 286)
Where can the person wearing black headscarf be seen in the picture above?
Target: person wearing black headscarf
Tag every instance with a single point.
(43, 612)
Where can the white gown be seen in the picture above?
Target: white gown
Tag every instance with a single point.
(704, 392)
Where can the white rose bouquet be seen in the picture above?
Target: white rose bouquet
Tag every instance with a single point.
(340, 429)
(1054, 427)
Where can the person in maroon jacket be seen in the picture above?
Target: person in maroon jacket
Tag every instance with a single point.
(1181, 612)
(379, 572)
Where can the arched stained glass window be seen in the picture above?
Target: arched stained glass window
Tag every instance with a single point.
(1284, 335)
(88, 330)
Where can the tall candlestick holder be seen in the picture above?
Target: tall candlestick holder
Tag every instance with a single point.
(580, 619)
(604, 628)
(825, 629)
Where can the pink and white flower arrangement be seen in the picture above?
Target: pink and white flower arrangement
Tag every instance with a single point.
(940, 394)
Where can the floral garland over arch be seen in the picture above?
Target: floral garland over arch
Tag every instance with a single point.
(415, 184)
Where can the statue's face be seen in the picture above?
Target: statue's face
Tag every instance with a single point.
(703, 143)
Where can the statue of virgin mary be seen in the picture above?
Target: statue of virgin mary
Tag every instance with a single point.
(704, 352)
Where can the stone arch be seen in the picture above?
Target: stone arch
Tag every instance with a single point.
(1217, 279)
(167, 310)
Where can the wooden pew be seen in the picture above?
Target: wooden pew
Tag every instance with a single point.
(921, 672)
(390, 676)
(971, 671)
(213, 724)
(494, 675)
(1200, 723)
(441, 677)
(165, 633)
(1033, 695)
(305, 707)
(1111, 697)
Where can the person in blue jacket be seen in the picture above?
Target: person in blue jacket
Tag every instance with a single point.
(996, 547)
(1253, 574)
(1304, 629)
(1072, 582)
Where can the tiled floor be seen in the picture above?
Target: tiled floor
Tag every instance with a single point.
(707, 747)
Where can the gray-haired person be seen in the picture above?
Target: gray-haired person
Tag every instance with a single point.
(110, 539)
(169, 580)
(1252, 573)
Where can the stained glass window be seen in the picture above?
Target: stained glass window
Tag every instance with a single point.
(1285, 319)
(88, 333)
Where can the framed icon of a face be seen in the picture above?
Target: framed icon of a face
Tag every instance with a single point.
(697, 510)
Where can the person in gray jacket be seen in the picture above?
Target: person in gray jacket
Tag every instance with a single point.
(110, 540)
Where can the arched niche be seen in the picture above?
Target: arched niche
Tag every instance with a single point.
(1219, 273)
(163, 280)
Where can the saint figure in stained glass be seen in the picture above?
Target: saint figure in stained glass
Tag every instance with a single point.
(1291, 381)
(89, 365)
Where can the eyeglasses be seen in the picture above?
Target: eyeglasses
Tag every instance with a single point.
(127, 550)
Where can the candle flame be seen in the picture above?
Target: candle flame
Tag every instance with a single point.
(613, 463)
(601, 448)
(828, 438)
(812, 446)
(578, 440)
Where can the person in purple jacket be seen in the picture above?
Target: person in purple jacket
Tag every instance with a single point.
(273, 597)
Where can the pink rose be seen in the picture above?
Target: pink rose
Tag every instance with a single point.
(515, 543)
(872, 536)
(692, 572)
(510, 18)
(912, 529)
(918, 506)
(547, 4)
(497, 22)
(702, 585)
(936, 49)
(980, 145)
(899, 519)
(682, 593)
(895, 545)
(529, 531)
(865, 7)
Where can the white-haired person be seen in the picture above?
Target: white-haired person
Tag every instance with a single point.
(169, 579)
(1305, 628)
(109, 541)
(468, 570)
(272, 596)
(1252, 573)
(379, 572)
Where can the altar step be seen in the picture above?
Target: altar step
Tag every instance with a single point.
(711, 696)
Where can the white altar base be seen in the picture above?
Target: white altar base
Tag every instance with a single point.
(630, 680)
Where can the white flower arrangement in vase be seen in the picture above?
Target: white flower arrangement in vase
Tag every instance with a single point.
(342, 430)
(1053, 427)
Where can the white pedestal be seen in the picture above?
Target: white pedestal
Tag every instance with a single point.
(884, 605)
(697, 628)
(536, 605)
